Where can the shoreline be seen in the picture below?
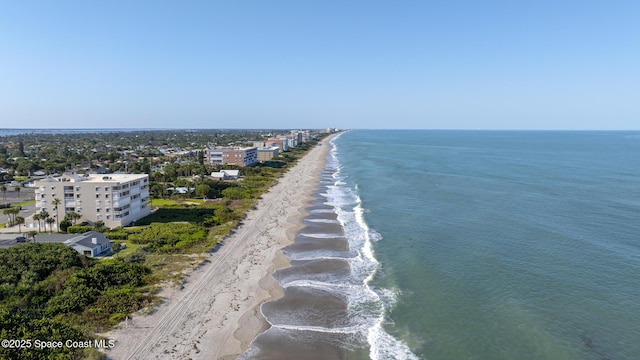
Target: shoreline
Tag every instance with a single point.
(216, 315)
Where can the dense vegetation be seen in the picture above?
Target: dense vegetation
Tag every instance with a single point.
(50, 292)
(135, 151)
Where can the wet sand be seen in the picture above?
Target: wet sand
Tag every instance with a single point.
(313, 319)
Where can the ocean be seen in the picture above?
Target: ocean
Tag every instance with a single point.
(465, 245)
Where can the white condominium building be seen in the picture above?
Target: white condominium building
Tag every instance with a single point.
(115, 199)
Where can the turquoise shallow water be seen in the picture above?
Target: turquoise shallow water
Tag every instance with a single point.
(503, 245)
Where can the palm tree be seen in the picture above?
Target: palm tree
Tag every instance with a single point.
(98, 225)
(19, 221)
(32, 234)
(73, 216)
(12, 212)
(17, 189)
(44, 214)
(55, 203)
(8, 212)
(4, 194)
(49, 221)
(37, 217)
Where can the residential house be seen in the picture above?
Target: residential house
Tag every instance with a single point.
(226, 174)
(91, 243)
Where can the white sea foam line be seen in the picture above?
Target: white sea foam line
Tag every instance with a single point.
(319, 285)
(321, 257)
(344, 330)
(382, 345)
(322, 235)
(321, 211)
(324, 221)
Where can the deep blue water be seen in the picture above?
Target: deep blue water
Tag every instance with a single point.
(500, 244)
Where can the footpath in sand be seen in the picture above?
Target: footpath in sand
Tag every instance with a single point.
(217, 313)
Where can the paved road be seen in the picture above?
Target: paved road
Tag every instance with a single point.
(8, 240)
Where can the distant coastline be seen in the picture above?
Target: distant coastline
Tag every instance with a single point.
(14, 132)
(10, 132)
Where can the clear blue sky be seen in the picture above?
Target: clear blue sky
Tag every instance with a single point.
(445, 64)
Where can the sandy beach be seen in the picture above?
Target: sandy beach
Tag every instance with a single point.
(217, 312)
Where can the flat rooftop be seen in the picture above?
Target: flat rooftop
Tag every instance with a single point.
(94, 178)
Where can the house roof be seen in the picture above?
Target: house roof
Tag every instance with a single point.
(231, 172)
(86, 240)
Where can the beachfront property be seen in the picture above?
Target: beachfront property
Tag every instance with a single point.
(282, 144)
(91, 243)
(115, 199)
(240, 156)
(226, 174)
(268, 153)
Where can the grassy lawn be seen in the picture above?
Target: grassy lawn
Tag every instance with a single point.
(130, 248)
(24, 203)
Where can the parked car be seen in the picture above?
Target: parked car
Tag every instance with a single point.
(21, 239)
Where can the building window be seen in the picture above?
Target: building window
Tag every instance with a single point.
(97, 196)
(97, 189)
(106, 188)
(77, 196)
(106, 195)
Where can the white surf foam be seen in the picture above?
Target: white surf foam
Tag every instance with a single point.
(365, 265)
(324, 221)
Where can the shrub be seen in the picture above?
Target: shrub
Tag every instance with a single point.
(79, 229)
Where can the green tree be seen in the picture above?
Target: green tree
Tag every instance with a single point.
(202, 190)
(17, 189)
(55, 203)
(64, 225)
(235, 193)
(12, 212)
(49, 221)
(36, 217)
(44, 214)
(19, 221)
(32, 234)
(4, 194)
(99, 226)
(73, 217)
